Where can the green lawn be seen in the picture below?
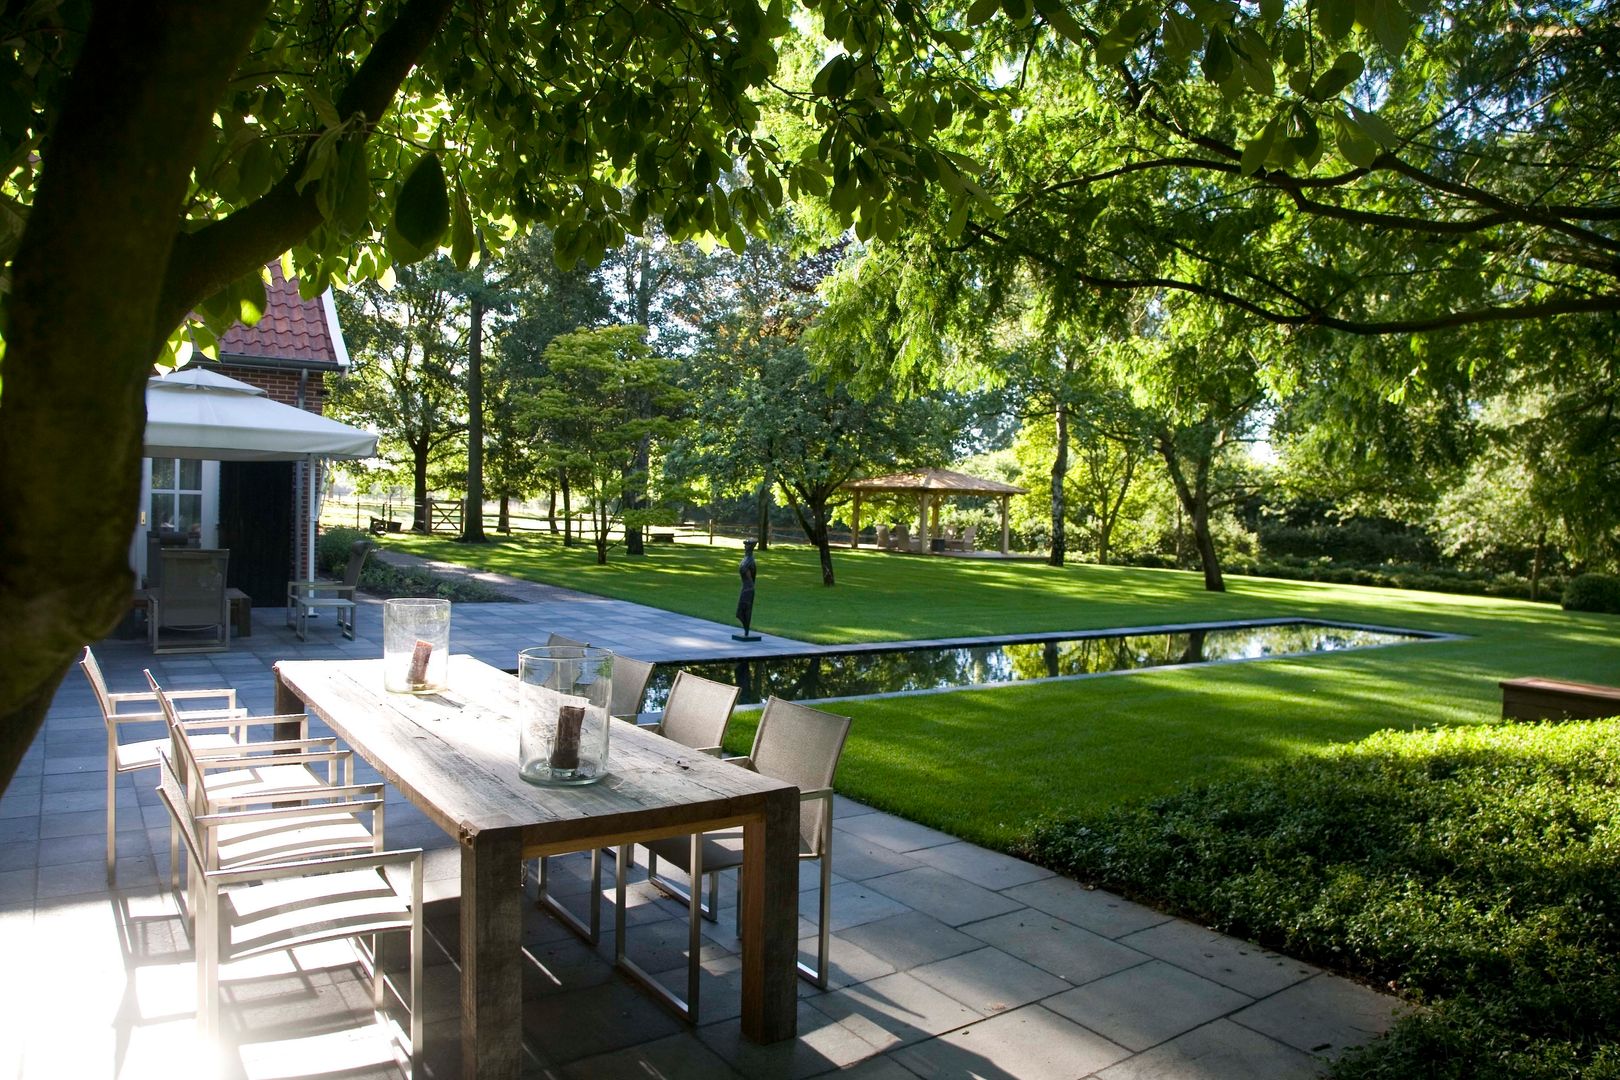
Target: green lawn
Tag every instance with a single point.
(984, 764)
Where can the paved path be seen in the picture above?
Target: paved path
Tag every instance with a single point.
(948, 960)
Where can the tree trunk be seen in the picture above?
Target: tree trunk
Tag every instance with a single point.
(551, 508)
(568, 511)
(635, 492)
(810, 507)
(503, 523)
(762, 520)
(420, 519)
(472, 520)
(1536, 561)
(79, 351)
(1194, 500)
(1060, 472)
(599, 523)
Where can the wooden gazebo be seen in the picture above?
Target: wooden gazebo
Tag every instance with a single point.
(930, 486)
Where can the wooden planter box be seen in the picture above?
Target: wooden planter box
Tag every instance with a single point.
(1555, 699)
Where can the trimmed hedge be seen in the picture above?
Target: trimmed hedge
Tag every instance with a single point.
(1475, 870)
(1593, 592)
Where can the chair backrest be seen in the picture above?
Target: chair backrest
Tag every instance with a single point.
(630, 678)
(181, 754)
(968, 535)
(193, 589)
(357, 561)
(98, 685)
(882, 536)
(801, 746)
(698, 710)
(902, 537)
(556, 641)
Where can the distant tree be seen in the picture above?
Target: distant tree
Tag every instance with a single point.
(591, 410)
(408, 345)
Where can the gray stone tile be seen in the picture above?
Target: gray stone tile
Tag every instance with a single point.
(878, 1068)
(896, 1010)
(1098, 911)
(1069, 952)
(17, 886)
(79, 823)
(844, 807)
(19, 856)
(989, 981)
(847, 963)
(855, 903)
(1238, 964)
(894, 833)
(1218, 1051)
(676, 1057)
(908, 940)
(988, 869)
(1323, 1015)
(1028, 1043)
(595, 1020)
(822, 1045)
(856, 858)
(947, 898)
(1147, 1004)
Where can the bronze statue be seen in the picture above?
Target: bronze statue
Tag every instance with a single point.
(745, 599)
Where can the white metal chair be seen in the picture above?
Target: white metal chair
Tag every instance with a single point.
(212, 728)
(304, 598)
(276, 906)
(264, 802)
(795, 744)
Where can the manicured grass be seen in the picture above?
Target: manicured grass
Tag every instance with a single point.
(984, 764)
(1474, 870)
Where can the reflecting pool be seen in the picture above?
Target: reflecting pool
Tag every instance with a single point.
(878, 671)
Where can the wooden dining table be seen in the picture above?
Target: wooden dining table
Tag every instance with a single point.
(454, 754)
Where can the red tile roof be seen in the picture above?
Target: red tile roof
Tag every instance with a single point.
(292, 328)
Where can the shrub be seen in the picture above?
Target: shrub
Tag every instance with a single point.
(332, 548)
(1593, 592)
(1476, 870)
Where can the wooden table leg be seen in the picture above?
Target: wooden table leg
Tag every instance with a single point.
(288, 703)
(770, 913)
(491, 975)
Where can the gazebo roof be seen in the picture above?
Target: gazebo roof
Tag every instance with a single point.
(940, 480)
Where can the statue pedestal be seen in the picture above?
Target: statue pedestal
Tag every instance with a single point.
(746, 637)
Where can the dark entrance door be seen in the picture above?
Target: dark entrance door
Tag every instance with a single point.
(255, 522)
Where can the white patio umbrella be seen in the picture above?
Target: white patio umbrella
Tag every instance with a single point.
(198, 413)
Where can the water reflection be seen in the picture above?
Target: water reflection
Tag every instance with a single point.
(805, 678)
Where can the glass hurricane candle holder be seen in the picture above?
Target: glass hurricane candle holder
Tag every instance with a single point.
(416, 645)
(563, 697)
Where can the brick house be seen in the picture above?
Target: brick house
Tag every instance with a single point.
(250, 507)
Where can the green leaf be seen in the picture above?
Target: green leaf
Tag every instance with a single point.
(251, 299)
(1337, 17)
(1019, 11)
(981, 11)
(1391, 26)
(1057, 16)
(422, 207)
(1293, 49)
(1375, 128)
(958, 219)
(1345, 71)
(1258, 149)
(1271, 10)
(1181, 36)
(1217, 58)
(1356, 147)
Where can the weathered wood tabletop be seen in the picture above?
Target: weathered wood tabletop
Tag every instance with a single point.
(455, 756)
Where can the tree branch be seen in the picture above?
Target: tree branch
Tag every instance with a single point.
(211, 258)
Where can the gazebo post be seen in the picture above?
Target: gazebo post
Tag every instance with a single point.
(855, 522)
(1004, 501)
